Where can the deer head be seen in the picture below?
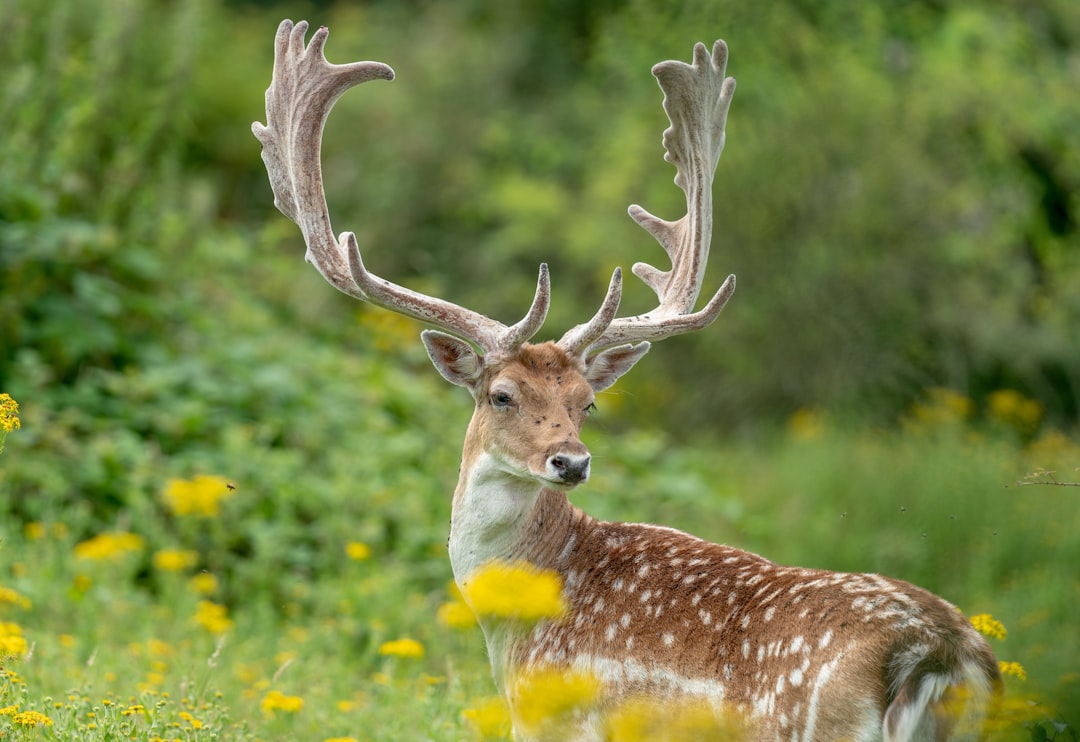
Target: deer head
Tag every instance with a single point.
(531, 400)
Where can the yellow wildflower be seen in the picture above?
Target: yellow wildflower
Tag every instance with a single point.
(340, 739)
(639, 719)
(806, 424)
(986, 624)
(357, 551)
(1013, 668)
(31, 719)
(159, 648)
(175, 560)
(9, 414)
(275, 700)
(201, 496)
(108, 546)
(203, 583)
(456, 613)
(212, 617)
(195, 723)
(408, 648)
(34, 530)
(941, 408)
(490, 718)
(12, 642)
(544, 700)
(8, 596)
(518, 590)
(1010, 407)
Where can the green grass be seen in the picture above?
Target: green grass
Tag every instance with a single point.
(116, 648)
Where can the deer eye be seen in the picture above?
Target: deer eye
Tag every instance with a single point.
(501, 400)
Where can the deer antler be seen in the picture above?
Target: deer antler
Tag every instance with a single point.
(696, 98)
(303, 89)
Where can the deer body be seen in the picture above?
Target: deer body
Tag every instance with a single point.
(652, 612)
(657, 613)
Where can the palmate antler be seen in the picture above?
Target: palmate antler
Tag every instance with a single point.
(305, 87)
(696, 98)
(303, 90)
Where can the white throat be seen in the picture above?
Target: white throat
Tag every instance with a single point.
(491, 506)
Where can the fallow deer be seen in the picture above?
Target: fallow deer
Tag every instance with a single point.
(803, 654)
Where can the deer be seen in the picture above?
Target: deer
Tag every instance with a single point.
(652, 612)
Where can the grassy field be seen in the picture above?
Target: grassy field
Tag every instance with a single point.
(175, 621)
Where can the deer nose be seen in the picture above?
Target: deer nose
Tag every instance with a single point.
(569, 467)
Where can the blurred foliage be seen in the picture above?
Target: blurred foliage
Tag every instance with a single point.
(903, 175)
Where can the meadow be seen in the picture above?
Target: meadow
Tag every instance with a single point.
(225, 489)
(216, 611)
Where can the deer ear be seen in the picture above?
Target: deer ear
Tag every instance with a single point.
(454, 358)
(604, 369)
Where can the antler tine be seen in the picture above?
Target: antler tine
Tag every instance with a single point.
(577, 341)
(697, 97)
(302, 92)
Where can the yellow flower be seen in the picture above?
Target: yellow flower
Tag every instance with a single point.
(175, 560)
(986, 624)
(1013, 668)
(357, 551)
(9, 596)
(806, 424)
(408, 648)
(544, 700)
(942, 408)
(1012, 408)
(456, 613)
(212, 617)
(340, 739)
(678, 720)
(9, 414)
(108, 546)
(203, 583)
(31, 719)
(34, 530)
(275, 700)
(519, 591)
(159, 648)
(490, 718)
(201, 496)
(12, 642)
(195, 723)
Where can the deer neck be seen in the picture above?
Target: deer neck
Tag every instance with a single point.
(499, 516)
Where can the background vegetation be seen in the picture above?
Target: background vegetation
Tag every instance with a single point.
(898, 199)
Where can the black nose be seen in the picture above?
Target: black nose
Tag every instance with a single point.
(569, 468)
